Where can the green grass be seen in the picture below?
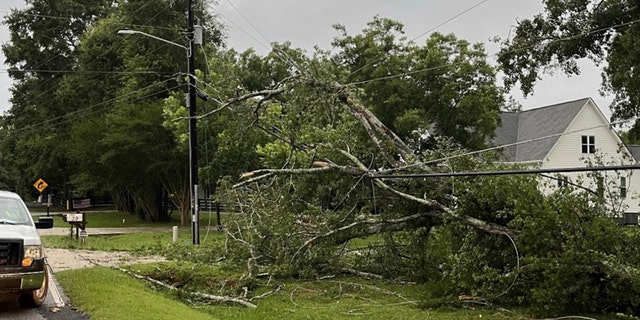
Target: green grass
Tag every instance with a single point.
(142, 242)
(107, 294)
(115, 219)
(130, 298)
(121, 242)
(347, 299)
(339, 298)
(359, 243)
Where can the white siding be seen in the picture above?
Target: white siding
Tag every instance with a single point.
(567, 153)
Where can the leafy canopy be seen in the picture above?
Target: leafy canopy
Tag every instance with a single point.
(605, 32)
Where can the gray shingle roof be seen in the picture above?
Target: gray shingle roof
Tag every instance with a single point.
(535, 131)
(635, 151)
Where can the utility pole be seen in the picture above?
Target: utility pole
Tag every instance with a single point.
(193, 135)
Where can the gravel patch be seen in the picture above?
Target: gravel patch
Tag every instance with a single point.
(65, 259)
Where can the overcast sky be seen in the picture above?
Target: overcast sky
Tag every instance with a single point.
(307, 23)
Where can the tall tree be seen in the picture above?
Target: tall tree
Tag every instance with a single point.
(446, 84)
(139, 159)
(43, 46)
(605, 32)
(86, 95)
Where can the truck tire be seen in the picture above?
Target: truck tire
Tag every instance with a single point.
(36, 298)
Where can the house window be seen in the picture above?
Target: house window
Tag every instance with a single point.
(623, 187)
(588, 144)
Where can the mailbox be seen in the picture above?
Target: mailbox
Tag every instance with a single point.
(75, 217)
(76, 220)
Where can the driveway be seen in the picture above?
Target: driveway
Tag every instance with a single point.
(57, 306)
(65, 259)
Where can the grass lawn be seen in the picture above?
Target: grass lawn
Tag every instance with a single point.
(107, 294)
(142, 242)
(115, 219)
(339, 298)
(130, 298)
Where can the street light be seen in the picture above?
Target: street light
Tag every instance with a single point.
(193, 138)
(127, 31)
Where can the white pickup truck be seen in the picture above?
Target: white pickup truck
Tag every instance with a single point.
(23, 269)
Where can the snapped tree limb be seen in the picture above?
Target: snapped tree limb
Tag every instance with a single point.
(265, 94)
(444, 211)
(368, 119)
(369, 227)
(260, 174)
(194, 294)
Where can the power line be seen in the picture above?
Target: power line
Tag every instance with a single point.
(609, 124)
(68, 115)
(505, 172)
(116, 23)
(248, 21)
(240, 28)
(471, 153)
(67, 119)
(408, 73)
(449, 20)
(283, 56)
(37, 66)
(82, 71)
(379, 59)
(113, 47)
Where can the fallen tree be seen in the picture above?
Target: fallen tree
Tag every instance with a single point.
(314, 207)
(427, 231)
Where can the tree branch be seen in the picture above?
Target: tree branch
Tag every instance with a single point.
(195, 294)
(322, 166)
(369, 227)
(263, 93)
(364, 115)
(488, 227)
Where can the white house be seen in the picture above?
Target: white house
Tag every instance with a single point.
(570, 135)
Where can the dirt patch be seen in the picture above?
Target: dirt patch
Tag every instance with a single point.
(64, 259)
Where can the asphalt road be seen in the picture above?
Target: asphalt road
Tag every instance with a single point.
(55, 307)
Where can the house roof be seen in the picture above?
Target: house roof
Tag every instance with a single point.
(529, 135)
(635, 151)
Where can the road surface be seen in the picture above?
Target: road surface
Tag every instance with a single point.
(56, 306)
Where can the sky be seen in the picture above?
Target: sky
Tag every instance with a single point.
(308, 23)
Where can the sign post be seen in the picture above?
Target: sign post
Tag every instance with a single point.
(40, 185)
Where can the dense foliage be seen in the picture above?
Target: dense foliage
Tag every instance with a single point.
(565, 249)
(605, 32)
(573, 258)
(294, 142)
(87, 111)
(449, 81)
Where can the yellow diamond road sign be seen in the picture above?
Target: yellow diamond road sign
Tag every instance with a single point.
(40, 185)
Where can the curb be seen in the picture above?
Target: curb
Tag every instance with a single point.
(59, 299)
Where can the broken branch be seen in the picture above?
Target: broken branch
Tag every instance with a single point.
(195, 294)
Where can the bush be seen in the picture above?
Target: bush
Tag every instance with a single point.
(573, 258)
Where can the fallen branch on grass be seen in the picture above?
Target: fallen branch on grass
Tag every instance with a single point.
(195, 294)
(362, 274)
(266, 294)
(371, 287)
